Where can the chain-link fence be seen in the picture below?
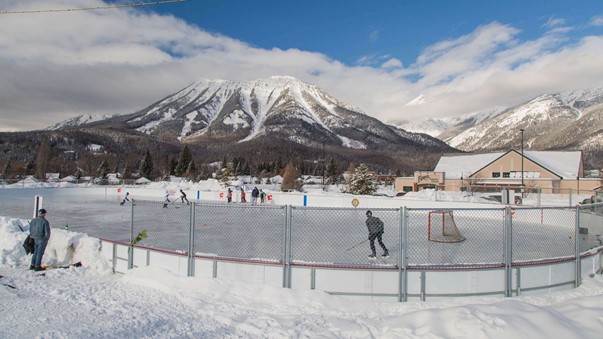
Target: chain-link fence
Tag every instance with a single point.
(339, 237)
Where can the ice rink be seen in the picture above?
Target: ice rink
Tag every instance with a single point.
(319, 235)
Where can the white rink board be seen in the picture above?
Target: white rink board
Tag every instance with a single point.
(372, 284)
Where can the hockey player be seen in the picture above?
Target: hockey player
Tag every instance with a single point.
(183, 197)
(166, 199)
(125, 199)
(375, 229)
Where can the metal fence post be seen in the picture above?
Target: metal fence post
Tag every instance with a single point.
(287, 249)
(131, 247)
(191, 242)
(578, 277)
(402, 258)
(508, 249)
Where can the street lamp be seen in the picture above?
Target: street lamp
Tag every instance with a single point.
(521, 160)
(323, 165)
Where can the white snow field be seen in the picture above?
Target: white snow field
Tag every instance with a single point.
(91, 302)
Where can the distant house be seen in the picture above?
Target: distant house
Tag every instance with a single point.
(142, 181)
(550, 171)
(113, 178)
(69, 178)
(52, 177)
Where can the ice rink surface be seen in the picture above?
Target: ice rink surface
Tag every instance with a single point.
(318, 235)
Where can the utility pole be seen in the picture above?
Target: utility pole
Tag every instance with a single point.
(323, 165)
(521, 160)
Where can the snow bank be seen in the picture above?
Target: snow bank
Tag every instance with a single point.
(64, 247)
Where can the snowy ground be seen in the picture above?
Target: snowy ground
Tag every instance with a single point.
(90, 302)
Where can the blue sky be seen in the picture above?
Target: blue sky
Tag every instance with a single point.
(355, 31)
(463, 57)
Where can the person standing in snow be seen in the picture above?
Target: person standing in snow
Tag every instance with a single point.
(243, 195)
(166, 199)
(255, 193)
(40, 232)
(229, 195)
(183, 197)
(375, 229)
(262, 196)
(125, 199)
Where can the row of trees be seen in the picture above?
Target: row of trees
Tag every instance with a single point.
(98, 163)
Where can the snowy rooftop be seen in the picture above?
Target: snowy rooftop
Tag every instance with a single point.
(564, 164)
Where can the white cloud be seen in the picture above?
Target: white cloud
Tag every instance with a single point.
(374, 36)
(392, 63)
(597, 20)
(554, 22)
(118, 61)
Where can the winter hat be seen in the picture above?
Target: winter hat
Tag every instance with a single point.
(42, 211)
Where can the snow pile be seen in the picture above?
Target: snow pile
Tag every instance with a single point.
(64, 247)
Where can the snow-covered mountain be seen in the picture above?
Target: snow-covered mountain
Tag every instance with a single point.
(437, 126)
(571, 120)
(278, 107)
(78, 121)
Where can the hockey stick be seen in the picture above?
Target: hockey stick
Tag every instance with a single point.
(360, 243)
(77, 264)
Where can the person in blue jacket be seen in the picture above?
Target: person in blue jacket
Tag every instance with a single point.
(40, 232)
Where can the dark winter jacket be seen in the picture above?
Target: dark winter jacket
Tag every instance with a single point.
(40, 228)
(255, 193)
(374, 225)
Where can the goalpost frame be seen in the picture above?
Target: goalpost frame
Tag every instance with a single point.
(453, 234)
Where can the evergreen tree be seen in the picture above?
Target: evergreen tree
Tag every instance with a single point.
(103, 170)
(332, 174)
(184, 161)
(289, 178)
(361, 182)
(43, 159)
(173, 164)
(30, 167)
(127, 172)
(226, 176)
(6, 170)
(146, 165)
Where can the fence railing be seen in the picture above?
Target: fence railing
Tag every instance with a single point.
(338, 237)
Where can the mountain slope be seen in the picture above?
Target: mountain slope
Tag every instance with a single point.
(281, 108)
(570, 120)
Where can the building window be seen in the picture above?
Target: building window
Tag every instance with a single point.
(506, 174)
(407, 188)
(495, 174)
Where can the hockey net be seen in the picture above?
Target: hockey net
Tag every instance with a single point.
(442, 227)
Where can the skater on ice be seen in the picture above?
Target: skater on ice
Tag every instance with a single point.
(375, 229)
(40, 232)
(243, 195)
(229, 195)
(254, 196)
(183, 197)
(262, 197)
(166, 199)
(125, 198)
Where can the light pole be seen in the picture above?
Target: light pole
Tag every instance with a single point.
(323, 165)
(521, 160)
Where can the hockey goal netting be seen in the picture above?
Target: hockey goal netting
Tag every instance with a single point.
(442, 227)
